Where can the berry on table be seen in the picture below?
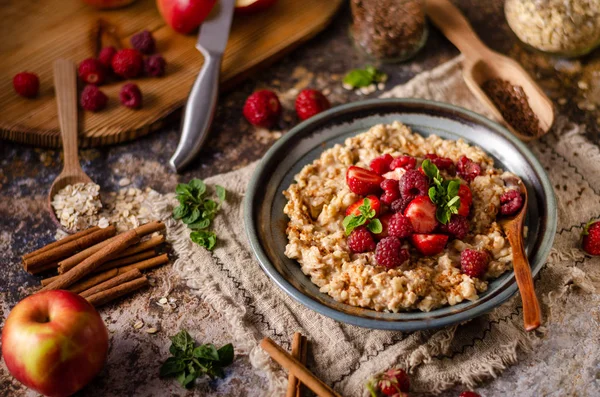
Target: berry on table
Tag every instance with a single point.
(474, 263)
(405, 162)
(154, 65)
(362, 181)
(429, 244)
(143, 42)
(380, 165)
(591, 238)
(361, 240)
(469, 394)
(511, 202)
(131, 96)
(26, 84)
(310, 102)
(394, 381)
(457, 226)
(400, 226)
(262, 108)
(389, 253)
(468, 169)
(106, 56)
(414, 184)
(92, 98)
(421, 212)
(391, 191)
(466, 199)
(128, 63)
(92, 71)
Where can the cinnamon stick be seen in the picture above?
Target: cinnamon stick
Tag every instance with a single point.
(303, 358)
(142, 246)
(88, 283)
(62, 241)
(68, 249)
(297, 343)
(126, 260)
(41, 269)
(112, 282)
(103, 297)
(72, 261)
(300, 371)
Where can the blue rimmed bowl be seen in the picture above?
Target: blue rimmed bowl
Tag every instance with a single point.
(266, 223)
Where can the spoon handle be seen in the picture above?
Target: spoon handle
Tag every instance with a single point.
(65, 84)
(456, 28)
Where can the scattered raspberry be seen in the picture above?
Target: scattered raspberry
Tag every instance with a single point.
(26, 84)
(414, 184)
(262, 108)
(400, 204)
(591, 238)
(394, 381)
(511, 202)
(443, 163)
(474, 263)
(391, 191)
(421, 212)
(154, 65)
(389, 253)
(458, 226)
(380, 165)
(400, 226)
(406, 162)
(106, 56)
(429, 244)
(385, 220)
(128, 63)
(310, 102)
(361, 240)
(469, 394)
(92, 98)
(362, 181)
(131, 96)
(92, 71)
(466, 199)
(375, 205)
(467, 169)
(143, 42)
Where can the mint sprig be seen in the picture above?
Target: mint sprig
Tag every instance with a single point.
(358, 78)
(189, 361)
(443, 193)
(367, 213)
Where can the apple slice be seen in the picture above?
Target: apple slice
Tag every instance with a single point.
(251, 6)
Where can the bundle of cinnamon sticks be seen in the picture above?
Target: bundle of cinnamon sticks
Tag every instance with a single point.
(98, 264)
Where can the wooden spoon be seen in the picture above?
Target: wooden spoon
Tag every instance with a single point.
(482, 64)
(513, 227)
(65, 85)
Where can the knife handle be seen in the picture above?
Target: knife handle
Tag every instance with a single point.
(199, 112)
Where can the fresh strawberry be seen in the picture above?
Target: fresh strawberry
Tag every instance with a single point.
(380, 165)
(362, 181)
(421, 212)
(375, 204)
(591, 238)
(385, 220)
(394, 381)
(429, 244)
(466, 199)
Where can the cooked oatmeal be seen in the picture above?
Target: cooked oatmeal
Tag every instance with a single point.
(316, 207)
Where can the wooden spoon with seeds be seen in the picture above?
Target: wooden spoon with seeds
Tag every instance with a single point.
(65, 85)
(481, 64)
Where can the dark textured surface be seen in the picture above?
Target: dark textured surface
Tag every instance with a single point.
(26, 172)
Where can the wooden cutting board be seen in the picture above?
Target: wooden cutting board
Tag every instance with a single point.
(35, 32)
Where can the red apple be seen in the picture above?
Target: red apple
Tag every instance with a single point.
(250, 6)
(54, 342)
(107, 4)
(184, 16)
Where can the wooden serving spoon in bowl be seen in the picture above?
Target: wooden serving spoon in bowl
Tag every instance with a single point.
(65, 85)
(482, 64)
(513, 228)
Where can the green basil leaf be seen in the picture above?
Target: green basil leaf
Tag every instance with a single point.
(221, 193)
(171, 367)
(210, 206)
(375, 226)
(208, 352)
(198, 187)
(216, 372)
(226, 355)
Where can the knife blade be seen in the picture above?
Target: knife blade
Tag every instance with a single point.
(201, 104)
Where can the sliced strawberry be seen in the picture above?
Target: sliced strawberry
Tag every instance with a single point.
(404, 162)
(362, 181)
(384, 219)
(375, 204)
(421, 212)
(429, 244)
(466, 199)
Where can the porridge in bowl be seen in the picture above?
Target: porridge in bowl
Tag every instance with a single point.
(394, 221)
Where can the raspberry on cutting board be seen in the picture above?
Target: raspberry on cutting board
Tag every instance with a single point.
(92, 71)
(128, 63)
(26, 84)
(92, 98)
(131, 96)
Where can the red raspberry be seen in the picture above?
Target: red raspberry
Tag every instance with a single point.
(154, 65)
(414, 184)
(406, 162)
(474, 263)
(468, 169)
(466, 199)
(92, 71)
(429, 244)
(262, 108)
(469, 394)
(143, 42)
(389, 253)
(131, 96)
(362, 181)
(443, 163)
(92, 98)
(361, 240)
(391, 191)
(26, 84)
(458, 226)
(591, 238)
(385, 220)
(380, 165)
(394, 381)
(310, 102)
(128, 63)
(375, 205)
(401, 204)
(106, 56)
(400, 226)
(511, 202)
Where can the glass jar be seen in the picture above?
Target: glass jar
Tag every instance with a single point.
(389, 30)
(561, 27)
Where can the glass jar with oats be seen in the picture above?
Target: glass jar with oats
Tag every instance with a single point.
(562, 27)
(389, 30)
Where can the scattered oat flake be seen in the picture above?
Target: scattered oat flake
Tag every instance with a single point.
(124, 182)
(151, 330)
(162, 301)
(582, 85)
(138, 324)
(562, 101)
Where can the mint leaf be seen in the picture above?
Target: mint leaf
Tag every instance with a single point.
(172, 366)
(358, 78)
(204, 238)
(201, 224)
(192, 217)
(183, 190)
(225, 355)
(221, 193)
(180, 211)
(198, 186)
(430, 170)
(351, 222)
(208, 352)
(182, 340)
(375, 226)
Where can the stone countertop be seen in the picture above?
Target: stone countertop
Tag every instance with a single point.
(26, 172)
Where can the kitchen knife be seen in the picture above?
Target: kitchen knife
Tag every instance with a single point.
(202, 101)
